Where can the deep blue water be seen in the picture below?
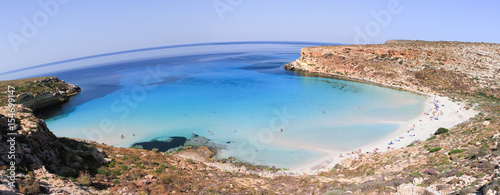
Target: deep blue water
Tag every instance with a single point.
(236, 93)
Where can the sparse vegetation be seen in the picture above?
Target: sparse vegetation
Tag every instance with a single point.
(29, 186)
(455, 151)
(441, 130)
(434, 149)
(85, 179)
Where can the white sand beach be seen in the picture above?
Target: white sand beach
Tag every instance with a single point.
(421, 127)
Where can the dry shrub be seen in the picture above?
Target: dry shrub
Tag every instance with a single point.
(29, 186)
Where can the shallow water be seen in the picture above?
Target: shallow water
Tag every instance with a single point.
(235, 93)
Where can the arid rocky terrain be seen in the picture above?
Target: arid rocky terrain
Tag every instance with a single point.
(423, 66)
(463, 160)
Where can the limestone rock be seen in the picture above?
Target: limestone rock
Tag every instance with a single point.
(37, 148)
(466, 180)
(409, 189)
(53, 92)
(203, 150)
(429, 191)
(418, 180)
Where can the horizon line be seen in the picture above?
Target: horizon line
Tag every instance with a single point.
(163, 47)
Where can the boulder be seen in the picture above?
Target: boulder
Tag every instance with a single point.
(409, 189)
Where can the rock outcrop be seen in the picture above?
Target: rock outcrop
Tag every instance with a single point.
(36, 146)
(39, 93)
(29, 146)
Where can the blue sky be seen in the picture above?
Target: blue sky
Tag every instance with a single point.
(43, 31)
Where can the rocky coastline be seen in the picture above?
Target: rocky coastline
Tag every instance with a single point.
(458, 70)
(463, 160)
(416, 66)
(40, 93)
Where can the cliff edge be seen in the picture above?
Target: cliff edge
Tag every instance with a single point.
(29, 146)
(39, 93)
(420, 66)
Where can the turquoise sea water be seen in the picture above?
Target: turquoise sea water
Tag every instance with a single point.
(237, 95)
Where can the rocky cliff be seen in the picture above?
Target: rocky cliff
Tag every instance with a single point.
(36, 146)
(29, 146)
(39, 93)
(422, 66)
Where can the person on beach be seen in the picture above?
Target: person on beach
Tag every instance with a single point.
(122, 136)
(281, 130)
(235, 131)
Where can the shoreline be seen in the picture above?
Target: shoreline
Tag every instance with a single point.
(424, 128)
